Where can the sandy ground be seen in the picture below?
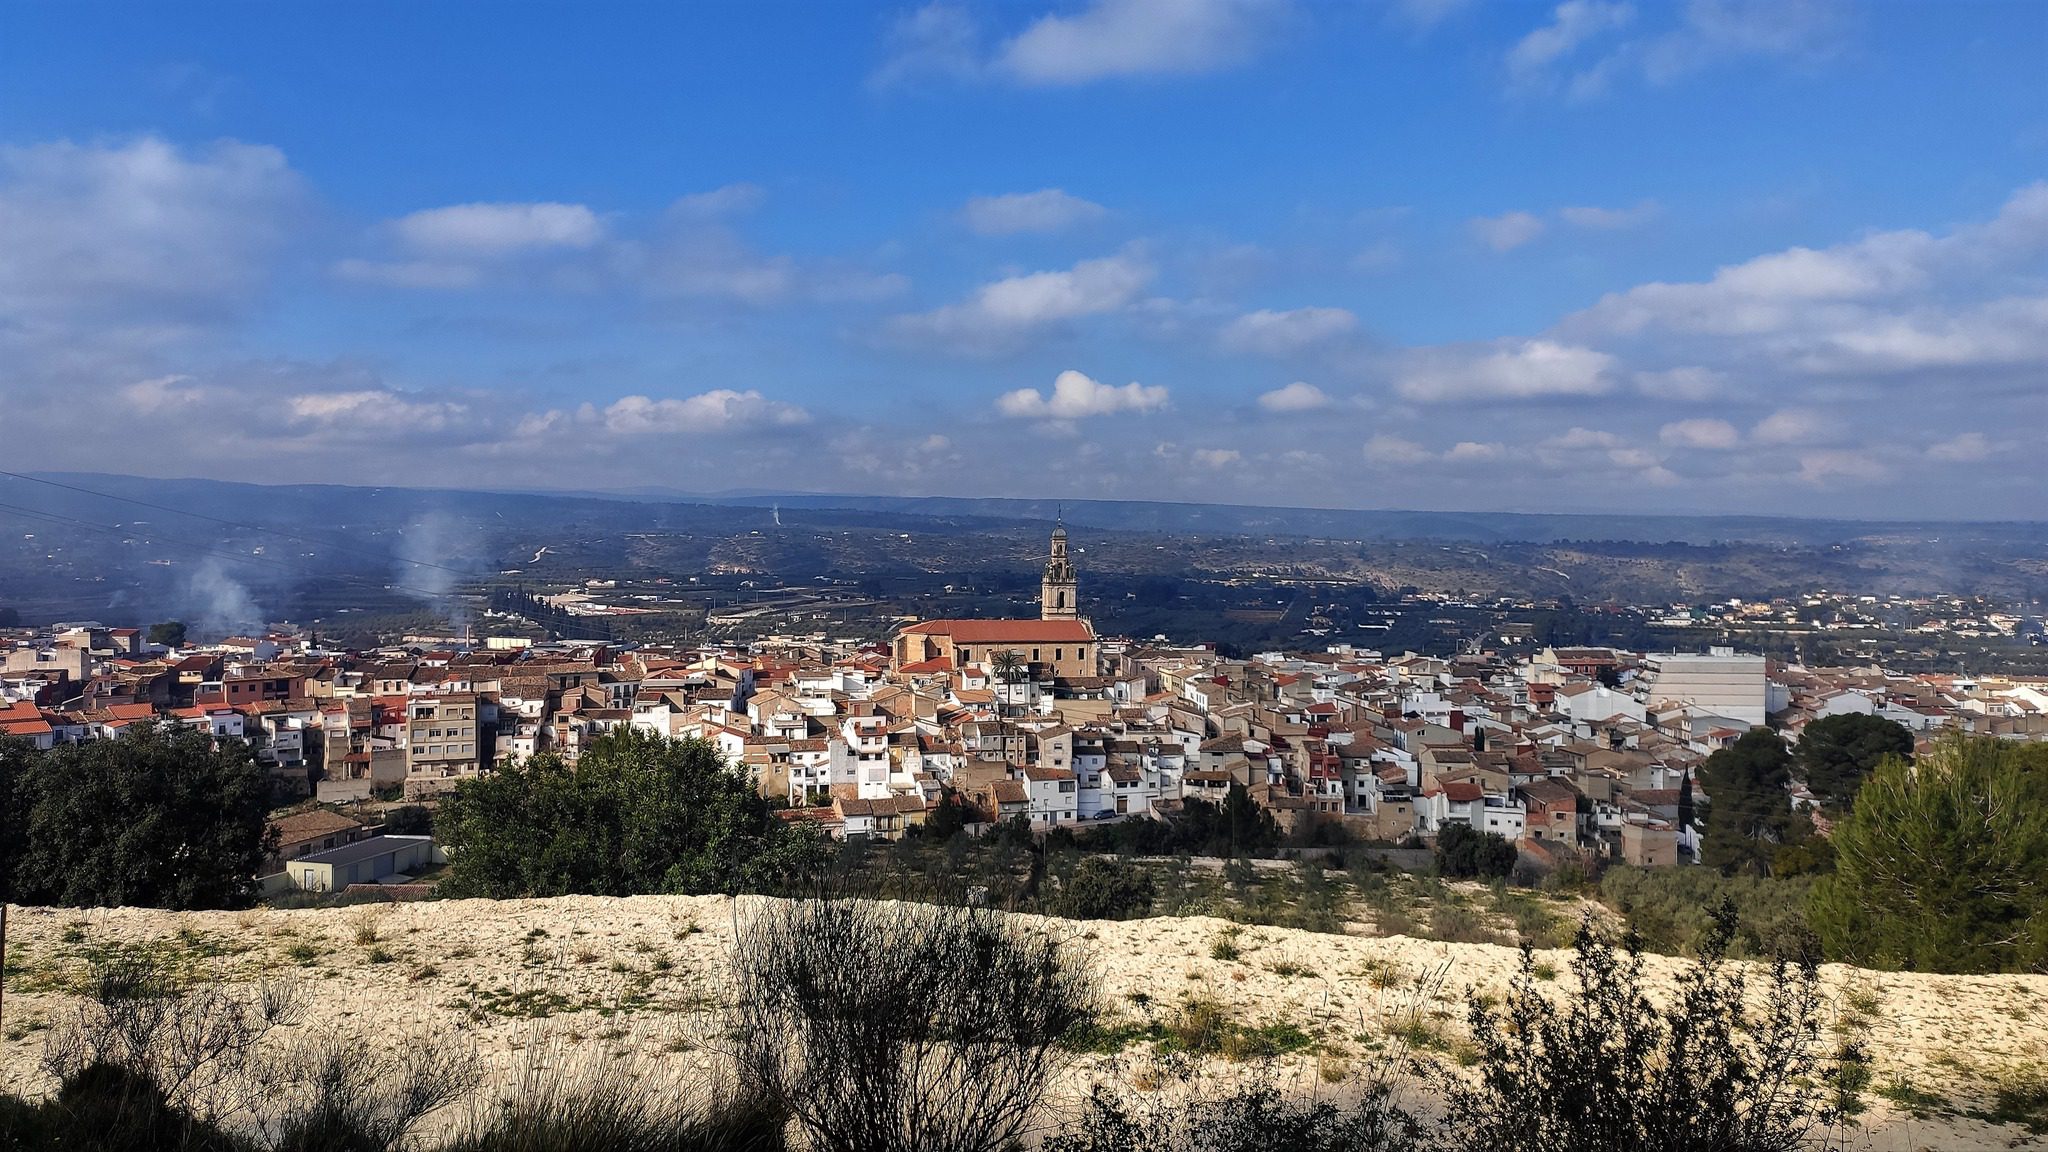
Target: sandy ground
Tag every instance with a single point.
(588, 981)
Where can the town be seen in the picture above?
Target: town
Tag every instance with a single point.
(1567, 752)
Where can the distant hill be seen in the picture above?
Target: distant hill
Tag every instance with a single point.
(122, 547)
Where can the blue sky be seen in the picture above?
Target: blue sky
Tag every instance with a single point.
(1710, 256)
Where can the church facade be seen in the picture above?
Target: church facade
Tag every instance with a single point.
(1059, 644)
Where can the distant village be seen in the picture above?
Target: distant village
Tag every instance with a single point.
(1567, 751)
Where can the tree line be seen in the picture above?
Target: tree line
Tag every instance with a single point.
(1937, 863)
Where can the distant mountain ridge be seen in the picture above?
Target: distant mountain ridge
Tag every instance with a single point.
(231, 500)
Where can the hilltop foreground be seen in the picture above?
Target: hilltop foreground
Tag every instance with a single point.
(592, 981)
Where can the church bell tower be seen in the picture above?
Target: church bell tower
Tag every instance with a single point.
(1056, 593)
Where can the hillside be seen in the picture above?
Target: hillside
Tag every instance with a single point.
(597, 980)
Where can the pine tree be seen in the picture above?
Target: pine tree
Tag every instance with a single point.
(1942, 866)
(1750, 812)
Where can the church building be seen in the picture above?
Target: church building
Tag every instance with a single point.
(1058, 644)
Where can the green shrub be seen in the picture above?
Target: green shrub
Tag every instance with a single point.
(1465, 853)
(1104, 888)
(1671, 910)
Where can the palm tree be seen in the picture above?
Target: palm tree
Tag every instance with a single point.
(1009, 668)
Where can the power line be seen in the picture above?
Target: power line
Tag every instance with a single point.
(73, 521)
(332, 541)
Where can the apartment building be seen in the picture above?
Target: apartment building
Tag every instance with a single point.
(441, 747)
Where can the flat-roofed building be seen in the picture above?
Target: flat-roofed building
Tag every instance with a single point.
(1721, 682)
(441, 742)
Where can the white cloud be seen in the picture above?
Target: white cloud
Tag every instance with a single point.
(1887, 307)
(1689, 383)
(1717, 30)
(717, 410)
(1299, 396)
(1966, 448)
(1793, 426)
(1524, 370)
(1076, 396)
(141, 232)
(1610, 219)
(1704, 433)
(1506, 232)
(499, 229)
(1285, 333)
(1002, 312)
(719, 203)
(1126, 38)
(1708, 32)
(1217, 457)
(1473, 452)
(1576, 438)
(1824, 468)
(1769, 292)
(1044, 211)
(372, 413)
(163, 393)
(1388, 451)
(939, 41)
(1572, 24)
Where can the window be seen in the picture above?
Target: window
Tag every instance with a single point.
(1059, 654)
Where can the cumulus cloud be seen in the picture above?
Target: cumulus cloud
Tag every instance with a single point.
(1793, 426)
(1047, 210)
(1515, 370)
(1473, 452)
(1881, 305)
(714, 411)
(1217, 457)
(140, 232)
(1506, 232)
(1133, 38)
(1285, 333)
(371, 413)
(1105, 40)
(499, 229)
(1076, 396)
(1703, 433)
(1000, 313)
(1299, 396)
(1388, 451)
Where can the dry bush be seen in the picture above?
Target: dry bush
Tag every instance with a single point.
(895, 1027)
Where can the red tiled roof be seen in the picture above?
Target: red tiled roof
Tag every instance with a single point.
(1011, 631)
